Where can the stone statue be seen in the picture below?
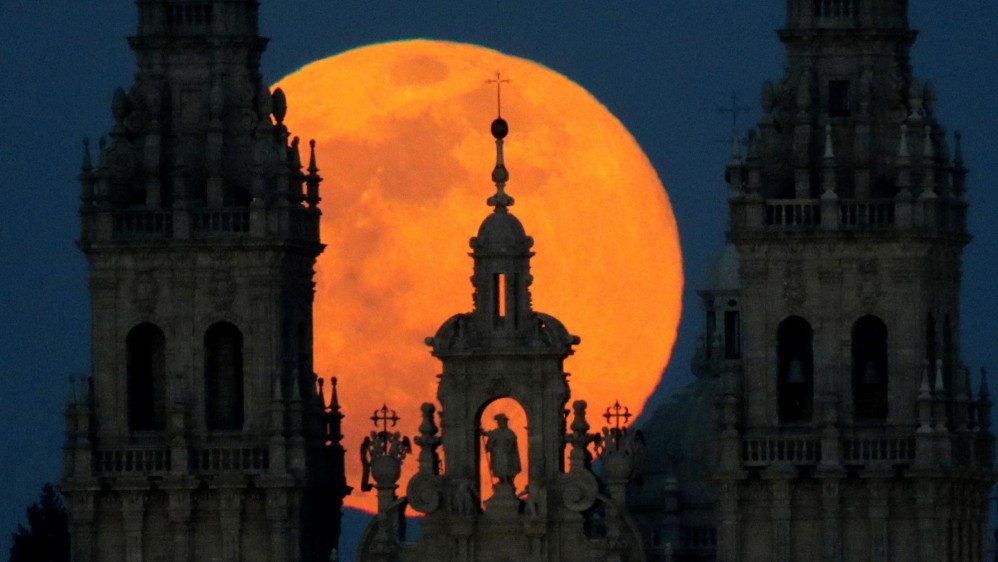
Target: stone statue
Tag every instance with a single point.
(504, 456)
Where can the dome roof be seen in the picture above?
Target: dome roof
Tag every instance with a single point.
(680, 447)
(724, 274)
(501, 231)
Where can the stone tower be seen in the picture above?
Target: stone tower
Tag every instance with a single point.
(849, 429)
(202, 433)
(503, 349)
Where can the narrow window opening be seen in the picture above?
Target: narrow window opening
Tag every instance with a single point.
(795, 371)
(838, 98)
(732, 335)
(224, 376)
(711, 328)
(499, 299)
(146, 374)
(948, 352)
(930, 351)
(869, 369)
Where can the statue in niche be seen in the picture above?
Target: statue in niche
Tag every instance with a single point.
(504, 455)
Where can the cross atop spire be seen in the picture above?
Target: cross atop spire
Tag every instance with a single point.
(734, 109)
(498, 81)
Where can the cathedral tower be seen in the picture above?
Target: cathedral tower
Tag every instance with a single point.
(203, 433)
(503, 349)
(849, 426)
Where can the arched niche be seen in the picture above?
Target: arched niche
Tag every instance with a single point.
(869, 369)
(223, 374)
(795, 370)
(517, 423)
(146, 377)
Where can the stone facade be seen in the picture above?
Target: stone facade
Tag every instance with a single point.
(203, 433)
(504, 349)
(848, 428)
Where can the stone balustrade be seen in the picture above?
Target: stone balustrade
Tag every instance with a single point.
(201, 460)
(792, 451)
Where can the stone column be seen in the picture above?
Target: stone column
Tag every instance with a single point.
(945, 526)
(925, 495)
(133, 517)
(781, 513)
(82, 514)
(180, 517)
(277, 518)
(878, 509)
(831, 492)
(728, 538)
(230, 518)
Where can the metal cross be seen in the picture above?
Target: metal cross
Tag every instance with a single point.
(383, 416)
(616, 416)
(498, 81)
(734, 109)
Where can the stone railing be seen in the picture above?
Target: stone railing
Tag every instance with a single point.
(132, 223)
(229, 459)
(222, 221)
(878, 450)
(946, 214)
(793, 212)
(793, 451)
(132, 461)
(866, 214)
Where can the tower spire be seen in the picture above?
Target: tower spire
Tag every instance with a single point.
(500, 175)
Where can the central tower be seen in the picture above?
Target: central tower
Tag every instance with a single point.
(503, 349)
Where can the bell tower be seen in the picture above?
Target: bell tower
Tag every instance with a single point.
(850, 428)
(202, 432)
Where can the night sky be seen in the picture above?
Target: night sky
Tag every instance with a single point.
(663, 67)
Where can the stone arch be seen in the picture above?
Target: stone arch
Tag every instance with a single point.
(869, 368)
(223, 373)
(146, 376)
(795, 370)
(485, 420)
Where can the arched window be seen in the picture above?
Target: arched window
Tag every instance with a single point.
(223, 370)
(795, 370)
(869, 369)
(948, 353)
(146, 365)
(930, 350)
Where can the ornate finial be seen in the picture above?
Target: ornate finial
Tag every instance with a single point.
(384, 416)
(958, 158)
(334, 398)
(320, 391)
(280, 104)
(500, 175)
(619, 413)
(903, 147)
(312, 167)
(276, 391)
(928, 149)
(734, 109)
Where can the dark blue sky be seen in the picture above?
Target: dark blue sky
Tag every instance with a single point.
(663, 67)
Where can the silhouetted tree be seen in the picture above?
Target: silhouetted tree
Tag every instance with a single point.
(46, 538)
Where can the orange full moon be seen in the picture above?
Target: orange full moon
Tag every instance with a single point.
(403, 142)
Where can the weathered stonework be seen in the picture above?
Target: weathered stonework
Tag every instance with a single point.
(201, 433)
(847, 425)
